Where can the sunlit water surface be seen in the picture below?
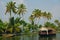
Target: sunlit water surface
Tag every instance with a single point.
(31, 37)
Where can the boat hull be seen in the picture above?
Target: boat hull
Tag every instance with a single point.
(47, 34)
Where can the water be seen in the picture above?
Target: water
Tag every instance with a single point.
(31, 37)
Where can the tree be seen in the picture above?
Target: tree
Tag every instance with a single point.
(46, 15)
(1, 26)
(37, 14)
(49, 15)
(56, 21)
(31, 18)
(47, 24)
(51, 25)
(10, 7)
(21, 10)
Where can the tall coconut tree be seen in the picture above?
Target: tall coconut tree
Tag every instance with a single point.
(51, 25)
(37, 14)
(21, 10)
(31, 18)
(49, 16)
(44, 14)
(10, 7)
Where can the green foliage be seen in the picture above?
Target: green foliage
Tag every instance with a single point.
(40, 26)
(21, 9)
(1, 23)
(10, 7)
(13, 25)
(23, 23)
(52, 25)
(12, 21)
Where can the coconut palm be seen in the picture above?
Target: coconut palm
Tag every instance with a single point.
(31, 18)
(21, 10)
(58, 24)
(10, 7)
(56, 21)
(37, 13)
(46, 16)
(51, 25)
(49, 15)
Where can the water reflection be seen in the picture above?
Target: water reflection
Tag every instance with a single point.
(29, 37)
(47, 38)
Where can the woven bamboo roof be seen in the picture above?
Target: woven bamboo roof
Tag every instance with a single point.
(43, 29)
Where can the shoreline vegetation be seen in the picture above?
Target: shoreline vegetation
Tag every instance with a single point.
(19, 25)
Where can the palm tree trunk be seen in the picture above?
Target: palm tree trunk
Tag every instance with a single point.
(32, 22)
(22, 16)
(38, 21)
(10, 13)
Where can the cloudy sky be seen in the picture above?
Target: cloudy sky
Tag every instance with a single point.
(52, 6)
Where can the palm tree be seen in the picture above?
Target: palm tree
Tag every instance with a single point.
(10, 7)
(46, 15)
(49, 15)
(21, 10)
(31, 18)
(37, 13)
(56, 21)
(58, 24)
(51, 25)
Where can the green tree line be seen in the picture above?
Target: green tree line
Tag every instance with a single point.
(20, 26)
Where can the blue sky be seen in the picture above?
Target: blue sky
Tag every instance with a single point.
(52, 6)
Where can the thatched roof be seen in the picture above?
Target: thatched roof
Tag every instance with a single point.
(46, 29)
(43, 29)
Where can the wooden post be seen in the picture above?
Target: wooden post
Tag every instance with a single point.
(47, 32)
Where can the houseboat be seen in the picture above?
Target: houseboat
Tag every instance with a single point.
(43, 31)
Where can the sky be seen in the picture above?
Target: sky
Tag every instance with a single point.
(52, 6)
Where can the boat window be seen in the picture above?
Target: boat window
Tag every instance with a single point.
(49, 30)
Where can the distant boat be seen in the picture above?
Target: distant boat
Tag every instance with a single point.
(47, 31)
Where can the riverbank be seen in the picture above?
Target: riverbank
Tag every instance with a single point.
(17, 34)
